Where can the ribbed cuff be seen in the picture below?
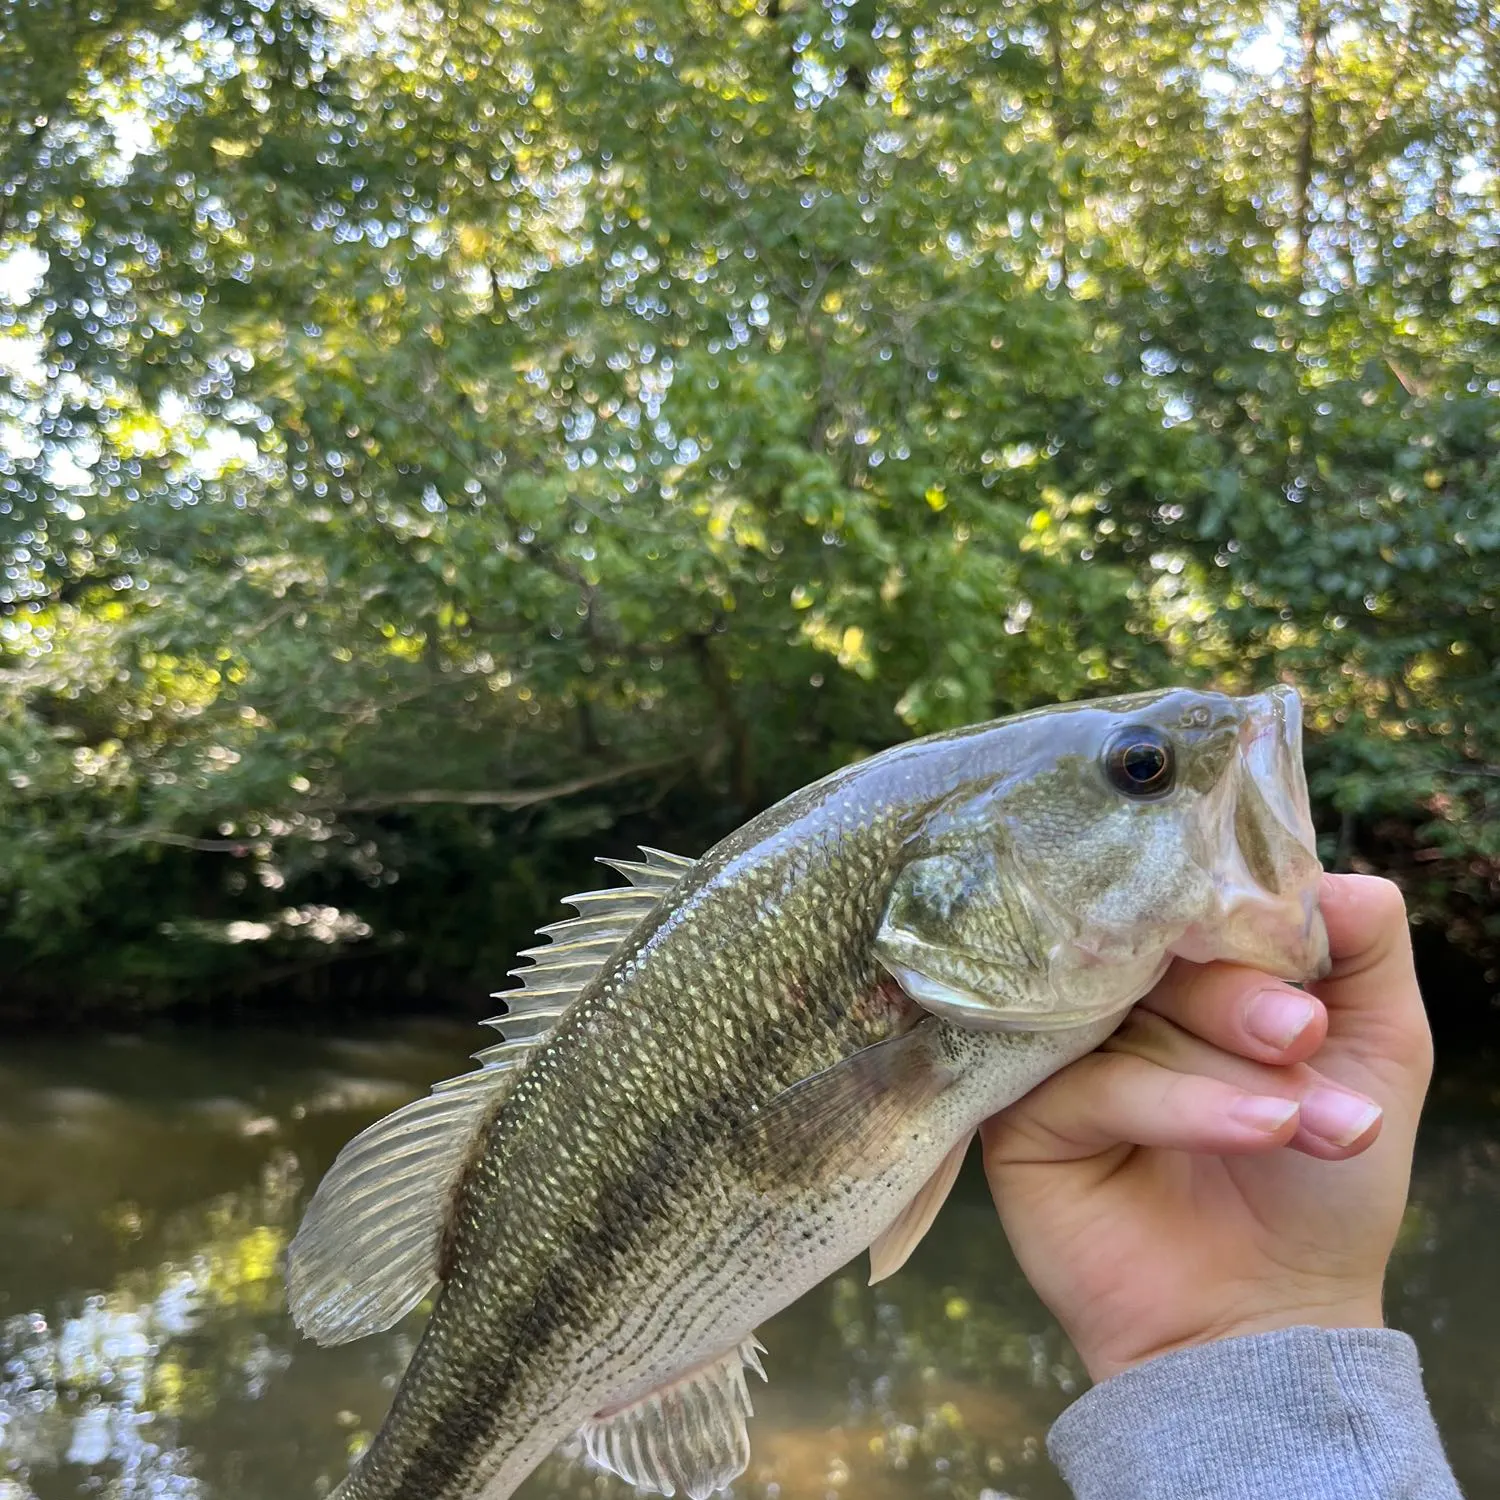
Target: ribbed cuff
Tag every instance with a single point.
(1298, 1414)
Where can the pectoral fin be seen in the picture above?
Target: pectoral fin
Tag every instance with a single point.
(851, 1119)
(892, 1249)
(688, 1436)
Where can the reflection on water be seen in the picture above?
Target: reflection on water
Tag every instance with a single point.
(149, 1188)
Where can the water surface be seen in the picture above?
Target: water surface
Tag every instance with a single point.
(148, 1188)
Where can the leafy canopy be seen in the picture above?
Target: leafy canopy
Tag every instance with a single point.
(434, 434)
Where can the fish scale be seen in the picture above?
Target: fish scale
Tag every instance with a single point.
(558, 1145)
(721, 1082)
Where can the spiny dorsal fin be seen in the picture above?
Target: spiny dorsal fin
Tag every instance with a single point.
(367, 1251)
(576, 949)
(688, 1436)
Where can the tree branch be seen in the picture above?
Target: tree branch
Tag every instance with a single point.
(423, 797)
(731, 721)
(1064, 128)
(183, 840)
(1383, 109)
(518, 798)
(1312, 37)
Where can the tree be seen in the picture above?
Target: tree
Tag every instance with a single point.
(441, 437)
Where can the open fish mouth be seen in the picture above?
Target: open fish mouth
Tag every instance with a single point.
(1267, 865)
(1271, 754)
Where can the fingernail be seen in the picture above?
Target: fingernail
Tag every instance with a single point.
(1279, 1017)
(1263, 1112)
(1338, 1117)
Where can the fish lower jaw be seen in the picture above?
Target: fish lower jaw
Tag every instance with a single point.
(1279, 936)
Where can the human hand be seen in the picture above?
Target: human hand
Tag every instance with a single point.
(1164, 1192)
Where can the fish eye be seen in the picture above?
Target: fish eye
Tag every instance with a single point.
(1139, 761)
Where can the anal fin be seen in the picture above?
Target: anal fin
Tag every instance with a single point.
(894, 1246)
(689, 1436)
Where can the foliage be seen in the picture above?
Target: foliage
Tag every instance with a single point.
(439, 440)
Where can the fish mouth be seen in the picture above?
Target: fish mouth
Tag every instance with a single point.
(1267, 868)
(1271, 758)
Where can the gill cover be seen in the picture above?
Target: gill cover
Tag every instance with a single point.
(966, 939)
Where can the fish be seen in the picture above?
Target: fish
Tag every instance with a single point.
(722, 1080)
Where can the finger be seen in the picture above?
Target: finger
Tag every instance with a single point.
(1366, 920)
(1371, 991)
(1368, 939)
(1241, 1010)
(1108, 1099)
(1334, 1121)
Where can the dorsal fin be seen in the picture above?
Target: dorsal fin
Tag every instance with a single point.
(577, 948)
(367, 1251)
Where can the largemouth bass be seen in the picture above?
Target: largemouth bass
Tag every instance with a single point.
(720, 1082)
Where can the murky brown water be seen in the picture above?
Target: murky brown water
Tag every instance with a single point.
(149, 1187)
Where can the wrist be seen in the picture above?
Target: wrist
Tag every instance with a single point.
(1105, 1359)
(1299, 1411)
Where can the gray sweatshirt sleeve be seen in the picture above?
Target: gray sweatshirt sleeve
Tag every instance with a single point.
(1299, 1414)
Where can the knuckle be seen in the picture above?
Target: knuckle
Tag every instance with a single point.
(1173, 1095)
(1419, 1040)
(1144, 1034)
(1386, 898)
(1210, 990)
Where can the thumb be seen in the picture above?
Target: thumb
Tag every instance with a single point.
(1378, 1036)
